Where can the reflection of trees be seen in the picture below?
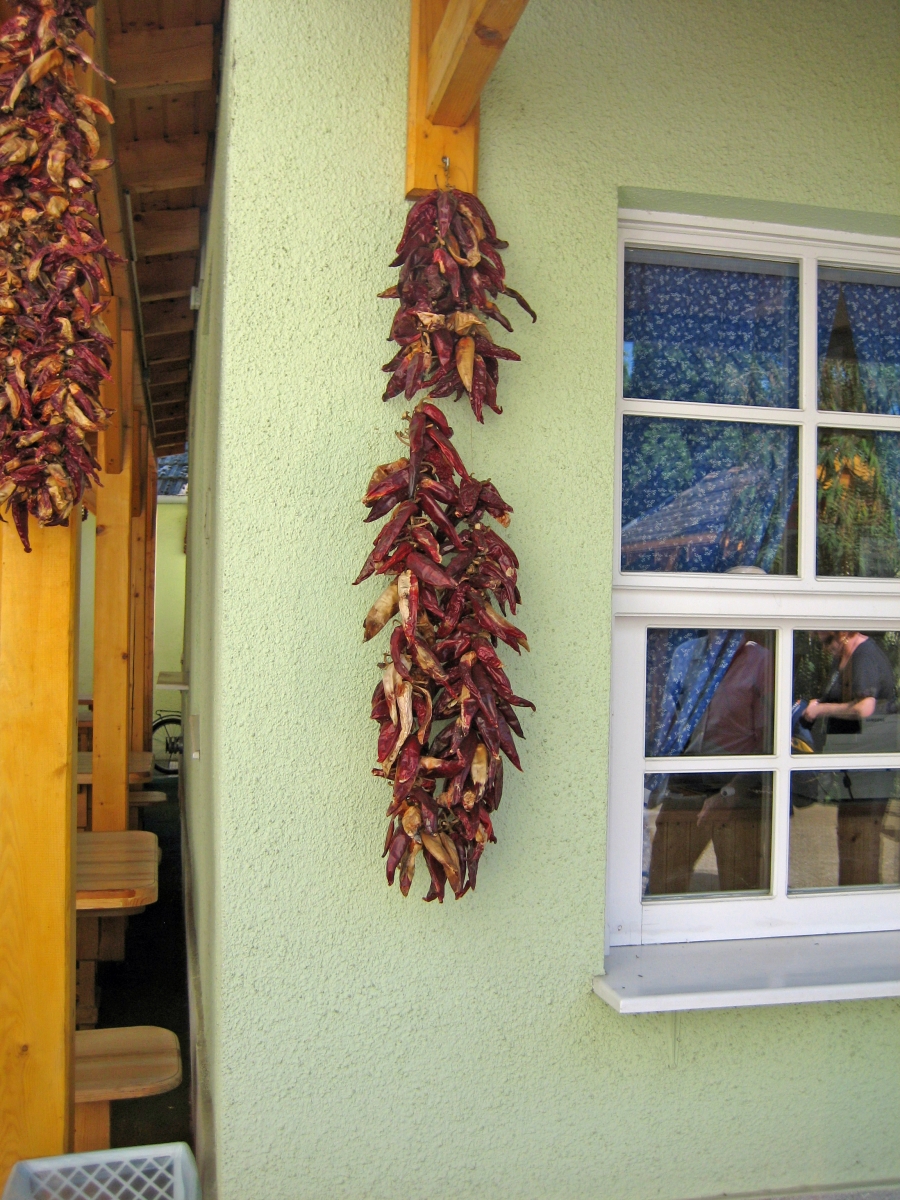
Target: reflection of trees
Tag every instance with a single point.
(856, 533)
(706, 495)
(706, 375)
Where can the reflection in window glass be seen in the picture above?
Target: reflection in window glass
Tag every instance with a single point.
(845, 692)
(707, 832)
(712, 330)
(710, 496)
(709, 691)
(845, 829)
(859, 341)
(858, 504)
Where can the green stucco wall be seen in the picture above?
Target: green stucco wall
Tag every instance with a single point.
(353, 1044)
(168, 628)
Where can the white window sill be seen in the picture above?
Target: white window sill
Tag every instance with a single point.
(745, 973)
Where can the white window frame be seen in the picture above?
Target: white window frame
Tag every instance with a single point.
(643, 599)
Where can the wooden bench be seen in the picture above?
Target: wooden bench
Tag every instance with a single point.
(119, 1064)
(116, 870)
(138, 800)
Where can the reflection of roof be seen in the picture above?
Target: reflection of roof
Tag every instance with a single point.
(697, 516)
(172, 475)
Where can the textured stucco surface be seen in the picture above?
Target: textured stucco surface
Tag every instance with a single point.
(168, 629)
(356, 1044)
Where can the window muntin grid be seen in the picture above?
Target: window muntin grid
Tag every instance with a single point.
(656, 598)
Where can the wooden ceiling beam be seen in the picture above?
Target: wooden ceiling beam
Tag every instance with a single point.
(167, 376)
(162, 62)
(167, 316)
(168, 349)
(162, 164)
(175, 393)
(167, 231)
(166, 279)
(465, 50)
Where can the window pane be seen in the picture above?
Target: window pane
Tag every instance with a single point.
(707, 833)
(713, 330)
(709, 691)
(859, 341)
(851, 680)
(845, 829)
(858, 499)
(709, 496)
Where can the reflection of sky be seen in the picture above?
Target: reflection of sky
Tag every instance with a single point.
(628, 360)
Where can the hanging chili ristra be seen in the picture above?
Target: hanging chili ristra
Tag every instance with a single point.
(449, 569)
(444, 705)
(450, 274)
(54, 346)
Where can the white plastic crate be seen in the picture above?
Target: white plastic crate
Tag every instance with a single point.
(165, 1172)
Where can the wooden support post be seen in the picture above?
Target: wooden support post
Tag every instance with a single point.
(112, 442)
(92, 1126)
(143, 572)
(427, 144)
(454, 46)
(112, 641)
(149, 598)
(38, 682)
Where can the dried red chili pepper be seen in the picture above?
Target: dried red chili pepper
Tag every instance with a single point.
(442, 664)
(54, 346)
(449, 267)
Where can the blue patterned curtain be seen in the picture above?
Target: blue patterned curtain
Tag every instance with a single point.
(874, 314)
(697, 661)
(713, 336)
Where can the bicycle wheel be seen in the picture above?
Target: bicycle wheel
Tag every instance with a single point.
(168, 744)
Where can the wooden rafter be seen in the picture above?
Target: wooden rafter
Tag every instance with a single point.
(464, 52)
(162, 62)
(163, 164)
(454, 47)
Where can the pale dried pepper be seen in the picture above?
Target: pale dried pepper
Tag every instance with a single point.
(450, 274)
(54, 346)
(442, 670)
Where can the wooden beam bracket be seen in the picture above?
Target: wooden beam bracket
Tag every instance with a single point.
(454, 47)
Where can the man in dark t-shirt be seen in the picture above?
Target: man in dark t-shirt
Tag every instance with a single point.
(859, 709)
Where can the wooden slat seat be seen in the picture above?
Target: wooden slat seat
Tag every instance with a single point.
(116, 870)
(119, 1064)
(124, 1064)
(140, 766)
(139, 799)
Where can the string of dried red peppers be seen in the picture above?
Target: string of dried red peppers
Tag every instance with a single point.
(54, 346)
(450, 274)
(445, 706)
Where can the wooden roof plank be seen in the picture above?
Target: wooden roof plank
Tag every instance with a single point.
(165, 375)
(163, 164)
(168, 316)
(465, 50)
(166, 279)
(174, 231)
(162, 62)
(169, 349)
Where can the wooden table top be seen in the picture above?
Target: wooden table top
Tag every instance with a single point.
(116, 870)
(140, 766)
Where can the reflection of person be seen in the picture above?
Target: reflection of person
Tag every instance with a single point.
(729, 811)
(858, 707)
